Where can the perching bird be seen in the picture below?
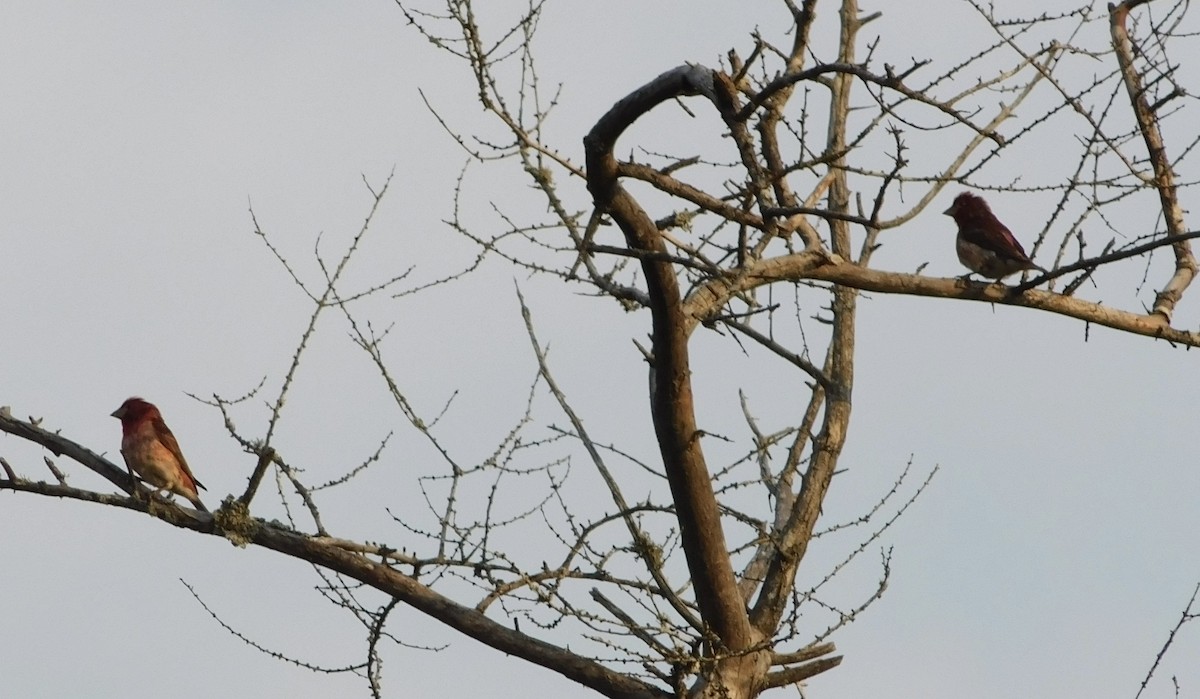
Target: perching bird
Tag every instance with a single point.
(151, 451)
(984, 245)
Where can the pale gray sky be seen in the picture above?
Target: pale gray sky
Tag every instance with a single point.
(1049, 558)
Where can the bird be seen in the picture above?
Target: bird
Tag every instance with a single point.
(984, 245)
(150, 450)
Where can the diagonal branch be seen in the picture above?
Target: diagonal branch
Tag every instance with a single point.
(636, 533)
(1164, 176)
(62, 446)
(332, 554)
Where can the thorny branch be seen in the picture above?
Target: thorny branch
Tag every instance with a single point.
(1185, 617)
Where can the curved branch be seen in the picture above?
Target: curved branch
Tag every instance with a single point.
(671, 388)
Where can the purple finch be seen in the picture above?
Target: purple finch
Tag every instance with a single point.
(150, 450)
(984, 245)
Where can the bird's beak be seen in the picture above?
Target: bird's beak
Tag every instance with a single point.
(950, 211)
(118, 413)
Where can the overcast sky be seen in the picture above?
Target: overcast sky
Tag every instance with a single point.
(1049, 558)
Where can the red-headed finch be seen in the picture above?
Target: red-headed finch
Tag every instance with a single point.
(984, 245)
(150, 450)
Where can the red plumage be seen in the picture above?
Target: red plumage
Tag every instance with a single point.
(151, 451)
(984, 245)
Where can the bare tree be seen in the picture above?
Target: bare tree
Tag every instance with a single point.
(765, 240)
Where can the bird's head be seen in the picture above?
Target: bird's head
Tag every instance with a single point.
(967, 206)
(134, 410)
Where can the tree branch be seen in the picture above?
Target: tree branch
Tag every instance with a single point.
(329, 554)
(671, 389)
(1164, 175)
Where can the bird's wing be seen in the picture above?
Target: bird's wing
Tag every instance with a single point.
(168, 440)
(994, 236)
